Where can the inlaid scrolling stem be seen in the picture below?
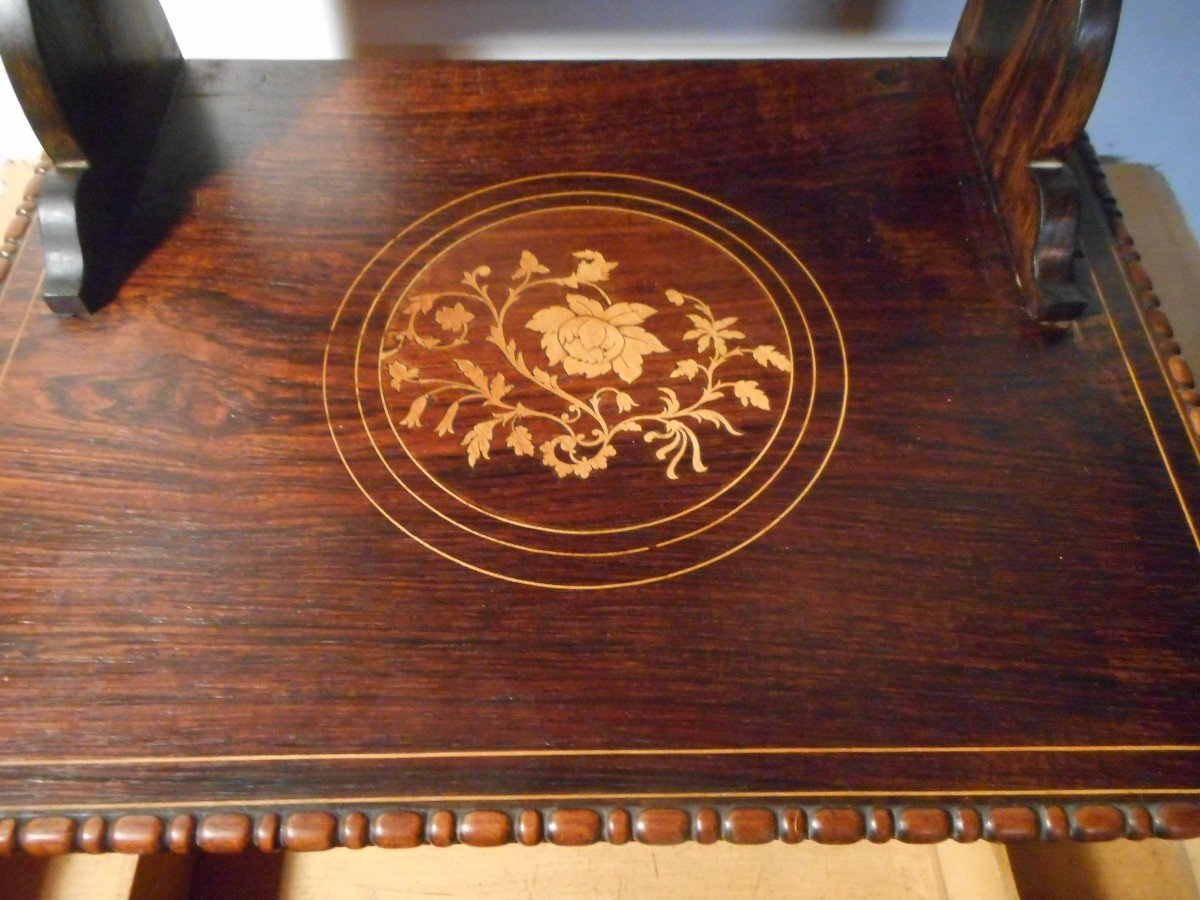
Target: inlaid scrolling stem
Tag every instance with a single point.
(587, 334)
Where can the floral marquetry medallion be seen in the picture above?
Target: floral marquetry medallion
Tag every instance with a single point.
(574, 425)
(585, 381)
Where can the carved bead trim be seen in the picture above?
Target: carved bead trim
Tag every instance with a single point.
(16, 230)
(308, 830)
(1181, 376)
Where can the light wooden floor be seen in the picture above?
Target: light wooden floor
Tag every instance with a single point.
(1149, 870)
(1152, 870)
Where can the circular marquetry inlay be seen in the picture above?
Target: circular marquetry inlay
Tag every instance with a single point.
(585, 381)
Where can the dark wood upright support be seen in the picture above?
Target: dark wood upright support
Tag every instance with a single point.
(95, 80)
(1029, 72)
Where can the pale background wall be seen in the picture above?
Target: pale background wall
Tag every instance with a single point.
(1149, 111)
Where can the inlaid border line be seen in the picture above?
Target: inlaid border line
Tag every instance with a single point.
(587, 587)
(1162, 450)
(682, 752)
(621, 752)
(615, 797)
(1106, 209)
(12, 350)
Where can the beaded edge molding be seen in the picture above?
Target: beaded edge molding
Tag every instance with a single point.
(1182, 379)
(17, 228)
(568, 827)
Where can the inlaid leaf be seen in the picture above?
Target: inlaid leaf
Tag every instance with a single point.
(420, 303)
(710, 415)
(544, 378)
(766, 355)
(473, 373)
(478, 441)
(624, 402)
(687, 368)
(751, 394)
(521, 441)
(498, 387)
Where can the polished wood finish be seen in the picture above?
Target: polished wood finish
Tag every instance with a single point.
(249, 436)
(574, 827)
(618, 827)
(441, 831)
(95, 80)
(290, 480)
(1029, 73)
(48, 835)
(923, 825)
(224, 833)
(137, 834)
(750, 826)
(485, 828)
(529, 827)
(707, 829)
(397, 830)
(309, 831)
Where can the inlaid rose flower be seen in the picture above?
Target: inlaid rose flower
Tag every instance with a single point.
(585, 335)
(589, 339)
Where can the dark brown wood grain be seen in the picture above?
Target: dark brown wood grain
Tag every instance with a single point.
(529, 827)
(707, 829)
(984, 603)
(574, 827)
(48, 835)
(1029, 73)
(95, 80)
(831, 825)
(1098, 823)
(923, 825)
(618, 827)
(224, 833)
(267, 832)
(396, 830)
(136, 834)
(440, 830)
(838, 826)
(749, 825)
(354, 831)
(309, 831)
(485, 828)
(662, 826)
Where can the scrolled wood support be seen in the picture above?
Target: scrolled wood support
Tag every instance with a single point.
(1028, 74)
(312, 830)
(95, 78)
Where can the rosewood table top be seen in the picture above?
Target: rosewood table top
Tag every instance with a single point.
(601, 447)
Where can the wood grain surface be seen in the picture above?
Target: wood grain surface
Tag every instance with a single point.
(95, 80)
(1029, 73)
(982, 606)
